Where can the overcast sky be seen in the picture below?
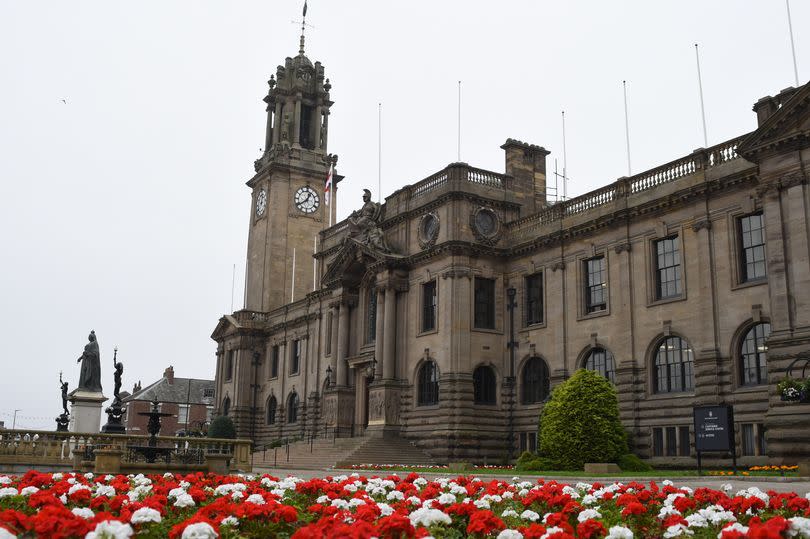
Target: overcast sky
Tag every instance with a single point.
(123, 209)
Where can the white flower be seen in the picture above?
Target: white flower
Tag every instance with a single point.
(258, 499)
(735, 527)
(111, 529)
(184, 484)
(385, 509)
(696, 520)
(726, 487)
(620, 532)
(236, 495)
(413, 500)
(184, 500)
(677, 530)
(27, 491)
(667, 510)
(145, 514)
(199, 530)
(168, 475)
(105, 490)
(8, 491)
(56, 477)
(509, 513)
(89, 476)
(588, 499)
(354, 502)
(176, 492)
(481, 504)
(5, 534)
(799, 526)
(551, 531)
(63, 499)
(427, 517)
(83, 512)
(340, 503)
(528, 514)
(395, 495)
(666, 483)
(510, 534)
(587, 514)
(229, 521)
(76, 488)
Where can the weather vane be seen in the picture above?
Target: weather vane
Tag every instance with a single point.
(304, 24)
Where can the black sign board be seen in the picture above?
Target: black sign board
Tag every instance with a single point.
(714, 428)
(714, 431)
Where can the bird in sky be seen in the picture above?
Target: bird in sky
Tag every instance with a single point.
(65, 102)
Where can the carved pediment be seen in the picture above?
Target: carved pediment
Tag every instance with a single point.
(226, 326)
(788, 127)
(352, 262)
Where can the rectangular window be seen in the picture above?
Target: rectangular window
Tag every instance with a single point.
(683, 441)
(533, 442)
(747, 435)
(229, 364)
(429, 306)
(484, 316)
(209, 413)
(752, 247)
(371, 319)
(668, 268)
(182, 415)
(329, 318)
(672, 444)
(658, 442)
(534, 299)
(295, 356)
(274, 362)
(761, 443)
(596, 292)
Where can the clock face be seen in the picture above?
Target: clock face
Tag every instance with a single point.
(306, 199)
(261, 203)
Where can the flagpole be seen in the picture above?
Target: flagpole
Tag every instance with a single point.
(626, 129)
(565, 161)
(792, 45)
(379, 152)
(292, 287)
(702, 108)
(459, 122)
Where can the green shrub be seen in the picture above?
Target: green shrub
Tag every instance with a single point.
(526, 456)
(222, 427)
(537, 464)
(580, 423)
(631, 463)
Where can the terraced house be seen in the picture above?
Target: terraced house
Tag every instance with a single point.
(444, 316)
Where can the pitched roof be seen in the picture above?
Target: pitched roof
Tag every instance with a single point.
(182, 390)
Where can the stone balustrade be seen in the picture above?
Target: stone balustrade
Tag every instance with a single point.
(45, 450)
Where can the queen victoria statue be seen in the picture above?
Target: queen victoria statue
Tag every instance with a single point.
(90, 377)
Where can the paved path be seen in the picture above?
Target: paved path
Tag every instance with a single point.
(800, 485)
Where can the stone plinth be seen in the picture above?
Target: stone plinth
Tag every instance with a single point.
(383, 412)
(108, 461)
(85, 410)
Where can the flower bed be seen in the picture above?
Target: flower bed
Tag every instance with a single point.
(205, 506)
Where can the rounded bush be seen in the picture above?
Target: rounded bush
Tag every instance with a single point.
(580, 423)
(222, 427)
(631, 463)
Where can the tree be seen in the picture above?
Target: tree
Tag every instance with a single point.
(581, 423)
(222, 427)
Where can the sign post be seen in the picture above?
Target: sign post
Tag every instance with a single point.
(714, 431)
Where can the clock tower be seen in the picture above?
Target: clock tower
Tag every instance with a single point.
(287, 202)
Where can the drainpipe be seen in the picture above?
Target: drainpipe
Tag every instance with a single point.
(510, 294)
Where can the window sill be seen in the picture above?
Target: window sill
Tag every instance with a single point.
(428, 332)
(273, 377)
(595, 314)
(665, 301)
(294, 374)
(486, 404)
(670, 395)
(488, 330)
(530, 327)
(751, 388)
(749, 284)
(427, 406)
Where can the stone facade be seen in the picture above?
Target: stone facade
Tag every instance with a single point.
(415, 342)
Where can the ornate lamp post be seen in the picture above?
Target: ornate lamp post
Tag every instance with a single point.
(511, 305)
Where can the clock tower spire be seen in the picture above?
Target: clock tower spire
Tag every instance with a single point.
(287, 209)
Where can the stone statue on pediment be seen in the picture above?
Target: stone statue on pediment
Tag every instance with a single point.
(364, 225)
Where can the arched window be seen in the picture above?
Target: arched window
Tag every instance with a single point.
(753, 365)
(601, 361)
(534, 381)
(271, 411)
(484, 385)
(292, 408)
(674, 366)
(428, 384)
(226, 406)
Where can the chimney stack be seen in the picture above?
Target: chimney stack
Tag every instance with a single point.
(527, 164)
(168, 374)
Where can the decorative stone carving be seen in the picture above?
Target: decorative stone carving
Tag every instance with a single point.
(701, 224)
(558, 266)
(376, 406)
(622, 247)
(486, 225)
(428, 230)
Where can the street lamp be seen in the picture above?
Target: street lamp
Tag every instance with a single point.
(511, 305)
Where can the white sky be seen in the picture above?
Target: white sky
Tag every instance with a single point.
(125, 209)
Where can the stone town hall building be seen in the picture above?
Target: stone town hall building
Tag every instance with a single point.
(685, 284)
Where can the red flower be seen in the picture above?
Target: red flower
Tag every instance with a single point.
(484, 522)
(591, 529)
(395, 526)
(683, 504)
(533, 531)
(633, 508)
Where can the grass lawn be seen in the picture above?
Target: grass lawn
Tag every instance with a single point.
(570, 473)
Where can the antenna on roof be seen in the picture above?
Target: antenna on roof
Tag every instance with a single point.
(702, 108)
(459, 122)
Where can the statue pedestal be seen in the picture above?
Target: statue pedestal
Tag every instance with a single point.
(85, 410)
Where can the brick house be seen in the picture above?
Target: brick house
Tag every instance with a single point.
(189, 400)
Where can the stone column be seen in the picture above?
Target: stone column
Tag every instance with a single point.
(296, 138)
(325, 128)
(707, 355)
(777, 275)
(796, 229)
(277, 123)
(389, 366)
(316, 128)
(379, 336)
(342, 346)
(333, 336)
(268, 139)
